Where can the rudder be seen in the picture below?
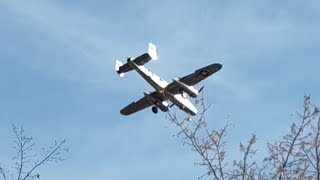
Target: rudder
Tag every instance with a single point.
(117, 67)
(152, 51)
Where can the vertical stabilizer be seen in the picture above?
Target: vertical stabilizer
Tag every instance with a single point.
(117, 67)
(152, 51)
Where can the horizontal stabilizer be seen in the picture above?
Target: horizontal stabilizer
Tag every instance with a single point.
(117, 67)
(152, 51)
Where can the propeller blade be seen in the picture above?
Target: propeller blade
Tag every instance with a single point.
(201, 89)
(188, 119)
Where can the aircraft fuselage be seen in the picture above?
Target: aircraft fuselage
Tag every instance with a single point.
(160, 85)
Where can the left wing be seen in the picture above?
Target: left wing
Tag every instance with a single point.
(194, 78)
(136, 106)
(148, 100)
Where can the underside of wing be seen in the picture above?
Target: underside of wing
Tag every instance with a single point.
(195, 77)
(201, 74)
(136, 106)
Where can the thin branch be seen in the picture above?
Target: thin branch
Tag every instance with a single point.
(209, 144)
(23, 146)
(46, 158)
(317, 149)
(3, 172)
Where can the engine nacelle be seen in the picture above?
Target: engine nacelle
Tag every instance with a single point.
(190, 90)
(163, 106)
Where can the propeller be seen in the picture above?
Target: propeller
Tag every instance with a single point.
(201, 89)
(188, 119)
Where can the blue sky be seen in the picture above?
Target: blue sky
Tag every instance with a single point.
(58, 81)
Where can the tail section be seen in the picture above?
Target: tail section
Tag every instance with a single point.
(121, 68)
(117, 67)
(152, 51)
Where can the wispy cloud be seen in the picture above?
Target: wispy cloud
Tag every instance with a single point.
(219, 32)
(82, 38)
(68, 26)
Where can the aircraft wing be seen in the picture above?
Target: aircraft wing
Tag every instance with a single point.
(136, 106)
(195, 77)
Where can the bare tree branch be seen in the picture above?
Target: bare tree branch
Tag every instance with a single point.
(24, 154)
(289, 156)
(209, 144)
(50, 155)
(295, 156)
(3, 172)
(23, 146)
(243, 168)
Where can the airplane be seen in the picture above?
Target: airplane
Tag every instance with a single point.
(176, 92)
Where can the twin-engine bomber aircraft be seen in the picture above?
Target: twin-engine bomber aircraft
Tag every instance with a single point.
(175, 92)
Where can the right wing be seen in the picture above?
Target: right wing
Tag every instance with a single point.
(194, 78)
(201, 74)
(136, 106)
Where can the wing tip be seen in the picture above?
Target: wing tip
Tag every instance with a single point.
(219, 66)
(215, 67)
(123, 112)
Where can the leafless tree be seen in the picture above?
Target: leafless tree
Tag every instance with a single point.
(296, 155)
(208, 143)
(246, 168)
(297, 152)
(26, 161)
(311, 149)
